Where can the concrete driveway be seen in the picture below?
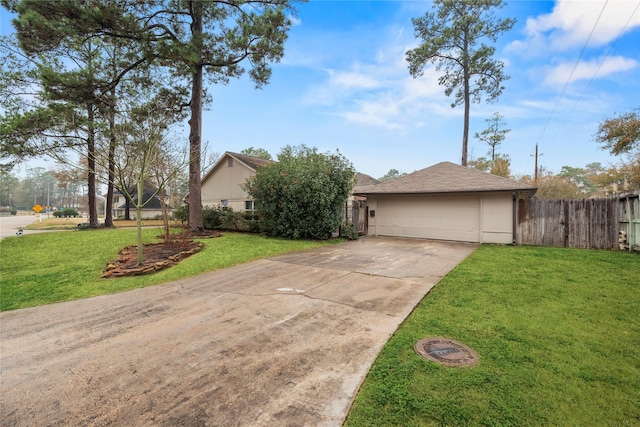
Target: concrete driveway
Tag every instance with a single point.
(284, 341)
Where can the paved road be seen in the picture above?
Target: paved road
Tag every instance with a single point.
(9, 225)
(284, 341)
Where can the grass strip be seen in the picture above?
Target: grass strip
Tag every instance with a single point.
(557, 332)
(60, 266)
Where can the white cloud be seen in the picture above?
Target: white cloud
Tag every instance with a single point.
(571, 22)
(381, 93)
(353, 80)
(295, 21)
(585, 70)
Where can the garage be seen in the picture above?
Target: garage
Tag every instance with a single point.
(442, 218)
(445, 202)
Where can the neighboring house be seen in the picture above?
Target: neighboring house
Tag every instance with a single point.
(151, 210)
(447, 202)
(222, 185)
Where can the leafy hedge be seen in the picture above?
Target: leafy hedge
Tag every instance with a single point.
(66, 213)
(218, 218)
(303, 194)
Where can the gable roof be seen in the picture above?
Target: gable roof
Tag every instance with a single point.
(154, 204)
(364, 180)
(250, 162)
(445, 177)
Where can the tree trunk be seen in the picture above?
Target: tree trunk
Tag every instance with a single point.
(165, 217)
(195, 124)
(467, 101)
(127, 210)
(139, 219)
(108, 217)
(91, 174)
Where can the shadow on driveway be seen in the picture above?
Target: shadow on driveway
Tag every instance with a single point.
(284, 341)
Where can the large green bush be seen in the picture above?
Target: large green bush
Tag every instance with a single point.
(66, 213)
(302, 195)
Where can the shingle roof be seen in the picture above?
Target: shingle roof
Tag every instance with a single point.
(364, 180)
(252, 162)
(445, 177)
(153, 204)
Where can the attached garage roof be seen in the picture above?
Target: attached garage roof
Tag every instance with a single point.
(445, 177)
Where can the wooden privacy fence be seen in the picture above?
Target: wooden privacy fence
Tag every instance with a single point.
(580, 223)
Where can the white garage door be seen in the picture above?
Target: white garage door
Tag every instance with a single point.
(445, 218)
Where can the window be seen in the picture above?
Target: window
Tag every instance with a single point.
(249, 206)
(230, 162)
(224, 203)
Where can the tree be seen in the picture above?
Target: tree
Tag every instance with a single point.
(494, 134)
(8, 184)
(481, 163)
(260, 153)
(146, 156)
(553, 186)
(74, 76)
(582, 178)
(453, 38)
(392, 174)
(198, 38)
(303, 194)
(501, 167)
(620, 134)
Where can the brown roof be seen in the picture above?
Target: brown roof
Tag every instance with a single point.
(445, 177)
(364, 180)
(252, 162)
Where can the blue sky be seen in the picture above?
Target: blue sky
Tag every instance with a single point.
(344, 84)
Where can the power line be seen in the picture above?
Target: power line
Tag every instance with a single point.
(575, 65)
(595, 73)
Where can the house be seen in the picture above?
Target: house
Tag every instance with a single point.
(152, 209)
(222, 185)
(447, 202)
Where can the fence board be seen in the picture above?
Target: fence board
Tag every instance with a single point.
(579, 223)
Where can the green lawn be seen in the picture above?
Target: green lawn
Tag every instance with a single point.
(557, 332)
(52, 267)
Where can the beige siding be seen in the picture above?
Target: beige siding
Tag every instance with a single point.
(497, 218)
(225, 183)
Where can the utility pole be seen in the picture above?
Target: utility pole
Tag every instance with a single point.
(535, 174)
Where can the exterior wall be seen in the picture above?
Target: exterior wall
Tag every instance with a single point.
(485, 218)
(146, 213)
(497, 218)
(225, 183)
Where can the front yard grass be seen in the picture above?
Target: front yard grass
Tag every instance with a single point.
(557, 332)
(52, 267)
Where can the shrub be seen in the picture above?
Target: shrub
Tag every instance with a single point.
(69, 212)
(252, 222)
(302, 195)
(181, 214)
(348, 231)
(211, 217)
(231, 220)
(9, 211)
(66, 213)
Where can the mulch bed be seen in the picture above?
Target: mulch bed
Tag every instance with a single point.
(157, 256)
